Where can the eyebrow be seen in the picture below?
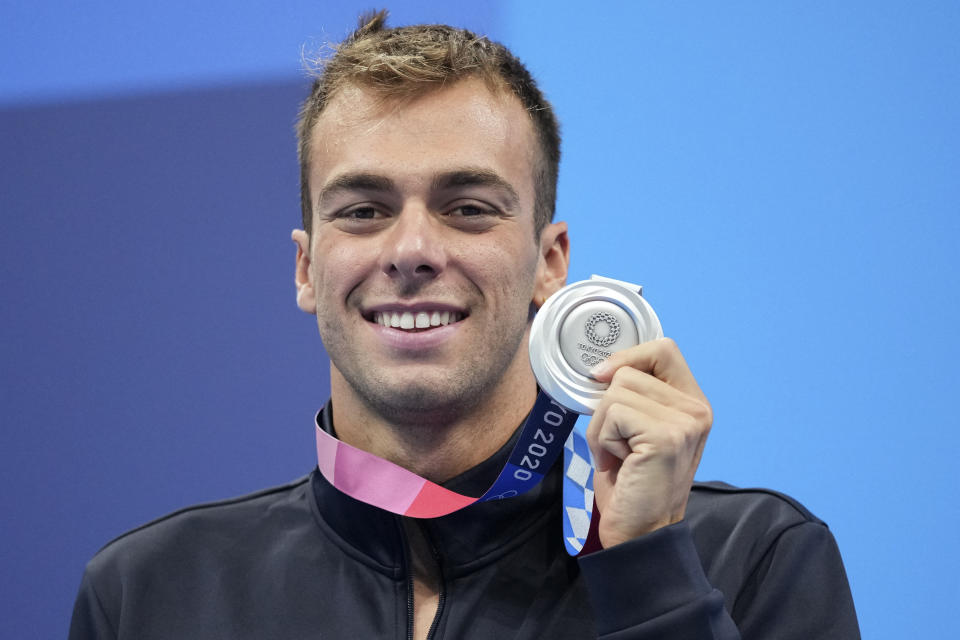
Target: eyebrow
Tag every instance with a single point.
(476, 177)
(449, 180)
(355, 182)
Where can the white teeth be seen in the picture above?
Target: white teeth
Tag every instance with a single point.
(418, 320)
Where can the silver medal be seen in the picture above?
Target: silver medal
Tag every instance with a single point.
(580, 326)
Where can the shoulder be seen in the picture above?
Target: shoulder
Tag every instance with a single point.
(736, 530)
(719, 503)
(203, 565)
(755, 518)
(224, 527)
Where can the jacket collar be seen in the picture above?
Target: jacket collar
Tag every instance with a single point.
(465, 540)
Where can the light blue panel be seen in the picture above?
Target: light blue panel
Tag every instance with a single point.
(50, 49)
(782, 178)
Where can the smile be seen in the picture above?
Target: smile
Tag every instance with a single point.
(408, 320)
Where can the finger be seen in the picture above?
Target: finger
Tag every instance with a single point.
(660, 358)
(651, 407)
(623, 415)
(625, 420)
(648, 386)
(609, 447)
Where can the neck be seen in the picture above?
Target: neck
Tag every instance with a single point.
(435, 446)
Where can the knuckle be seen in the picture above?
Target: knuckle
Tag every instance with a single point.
(703, 413)
(693, 430)
(620, 377)
(615, 412)
(669, 345)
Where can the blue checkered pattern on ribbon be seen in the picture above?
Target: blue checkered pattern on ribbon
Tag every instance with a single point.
(577, 491)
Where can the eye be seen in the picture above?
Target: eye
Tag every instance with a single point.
(359, 213)
(471, 210)
(472, 216)
(360, 218)
(468, 210)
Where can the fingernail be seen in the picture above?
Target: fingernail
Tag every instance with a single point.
(600, 370)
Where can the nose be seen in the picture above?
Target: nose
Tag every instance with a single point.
(414, 249)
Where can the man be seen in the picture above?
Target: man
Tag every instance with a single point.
(428, 172)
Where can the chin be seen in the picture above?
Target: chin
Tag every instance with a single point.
(428, 399)
(423, 400)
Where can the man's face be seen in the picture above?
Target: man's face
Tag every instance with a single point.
(423, 260)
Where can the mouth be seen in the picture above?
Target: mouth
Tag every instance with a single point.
(415, 321)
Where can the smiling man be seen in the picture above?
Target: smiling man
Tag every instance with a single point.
(428, 169)
(421, 263)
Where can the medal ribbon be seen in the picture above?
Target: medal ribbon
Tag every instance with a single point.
(547, 431)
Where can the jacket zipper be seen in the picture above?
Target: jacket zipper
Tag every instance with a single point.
(409, 602)
(441, 584)
(408, 561)
(442, 591)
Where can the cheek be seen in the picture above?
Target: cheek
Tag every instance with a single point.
(507, 268)
(338, 267)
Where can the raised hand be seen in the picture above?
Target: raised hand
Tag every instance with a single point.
(647, 436)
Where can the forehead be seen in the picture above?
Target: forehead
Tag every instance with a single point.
(463, 125)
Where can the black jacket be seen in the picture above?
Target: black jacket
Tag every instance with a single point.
(306, 561)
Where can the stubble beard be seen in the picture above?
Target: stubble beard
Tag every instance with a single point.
(431, 402)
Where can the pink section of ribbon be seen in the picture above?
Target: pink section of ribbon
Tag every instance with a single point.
(366, 477)
(434, 501)
(381, 483)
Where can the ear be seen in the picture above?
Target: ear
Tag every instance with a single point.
(306, 296)
(554, 261)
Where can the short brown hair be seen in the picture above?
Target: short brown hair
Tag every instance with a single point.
(408, 61)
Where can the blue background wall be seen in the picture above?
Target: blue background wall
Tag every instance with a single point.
(782, 178)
